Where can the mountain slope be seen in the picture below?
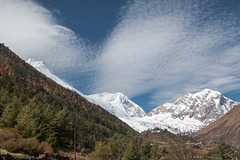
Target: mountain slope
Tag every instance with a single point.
(225, 130)
(117, 103)
(41, 67)
(39, 107)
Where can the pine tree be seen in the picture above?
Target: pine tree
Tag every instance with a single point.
(131, 152)
(24, 118)
(61, 127)
(10, 113)
(146, 149)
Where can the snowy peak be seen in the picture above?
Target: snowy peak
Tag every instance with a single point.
(206, 107)
(117, 104)
(207, 94)
(42, 67)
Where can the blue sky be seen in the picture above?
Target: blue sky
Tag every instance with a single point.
(153, 51)
(93, 20)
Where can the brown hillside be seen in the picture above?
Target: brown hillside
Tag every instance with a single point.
(51, 112)
(225, 130)
(14, 69)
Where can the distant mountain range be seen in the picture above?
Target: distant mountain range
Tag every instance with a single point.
(187, 114)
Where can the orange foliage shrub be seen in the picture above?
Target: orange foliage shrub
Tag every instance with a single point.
(13, 142)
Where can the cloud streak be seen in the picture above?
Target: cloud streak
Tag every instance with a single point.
(171, 47)
(32, 32)
(166, 47)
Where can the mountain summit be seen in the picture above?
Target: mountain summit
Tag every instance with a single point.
(117, 104)
(206, 106)
(192, 112)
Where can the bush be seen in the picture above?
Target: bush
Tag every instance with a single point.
(13, 142)
(11, 146)
(45, 148)
(29, 146)
(9, 133)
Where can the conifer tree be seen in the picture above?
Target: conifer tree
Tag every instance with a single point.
(24, 118)
(131, 152)
(10, 113)
(62, 128)
(146, 149)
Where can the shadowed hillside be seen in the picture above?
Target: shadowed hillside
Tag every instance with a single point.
(225, 130)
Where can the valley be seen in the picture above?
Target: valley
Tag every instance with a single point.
(46, 113)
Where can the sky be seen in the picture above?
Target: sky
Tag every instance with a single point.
(153, 51)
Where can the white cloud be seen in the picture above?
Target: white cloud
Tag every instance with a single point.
(168, 47)
(171, 47)
(32, 32)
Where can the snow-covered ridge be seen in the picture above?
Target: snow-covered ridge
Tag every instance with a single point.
(194, 111)
(187, 114)
(117, 104)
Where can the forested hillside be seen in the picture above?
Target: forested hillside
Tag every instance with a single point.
(38, 107)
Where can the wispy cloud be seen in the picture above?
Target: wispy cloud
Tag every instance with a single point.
(166, 47)
(171, 47)
(32, 32)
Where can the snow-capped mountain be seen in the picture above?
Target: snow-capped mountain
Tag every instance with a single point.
(116, 103)
(187, 114)
(192, 112)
